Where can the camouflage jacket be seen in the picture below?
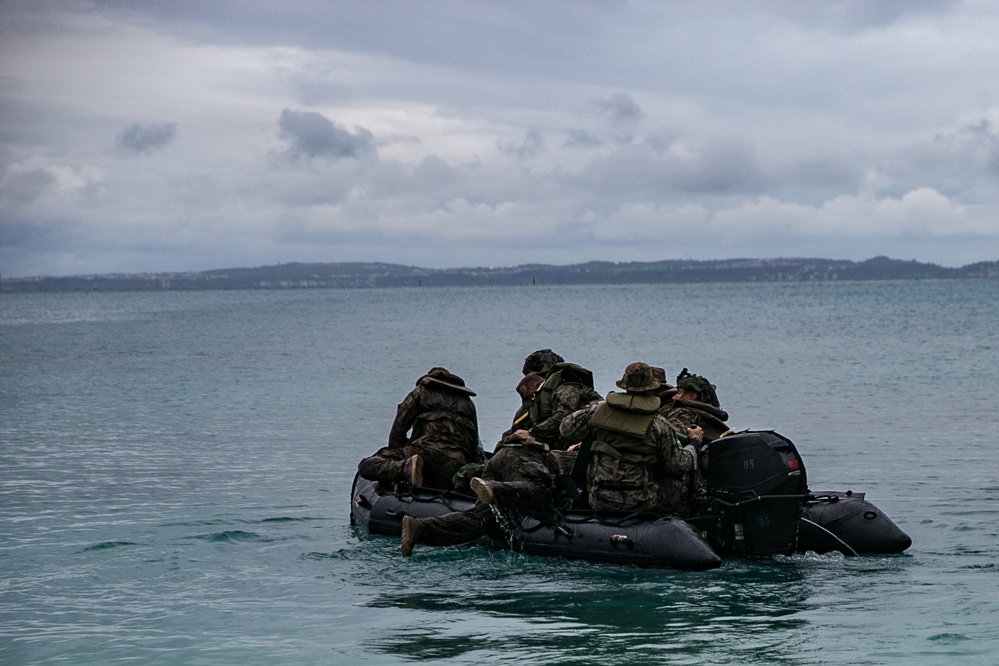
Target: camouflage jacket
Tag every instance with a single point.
(566, 399)
(645, 475)
(683, 414)
(522, 461)
(437, 418)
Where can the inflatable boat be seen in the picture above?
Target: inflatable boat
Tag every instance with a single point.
(757, 505)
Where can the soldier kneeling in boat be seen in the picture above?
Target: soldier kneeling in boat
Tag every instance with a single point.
(566, 388)
(694, 404)
(633, 459)
(445, 435)
(517, 480)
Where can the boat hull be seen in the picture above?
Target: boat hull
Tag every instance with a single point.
(635, 539)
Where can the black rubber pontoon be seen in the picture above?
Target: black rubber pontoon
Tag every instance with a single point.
(757, 505)
(848, 523)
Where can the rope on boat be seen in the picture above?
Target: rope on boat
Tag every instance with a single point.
(845, 544)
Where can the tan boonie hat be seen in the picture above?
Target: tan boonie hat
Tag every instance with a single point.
(638, 377)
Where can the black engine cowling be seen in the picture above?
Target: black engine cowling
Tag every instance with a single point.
(756, 486)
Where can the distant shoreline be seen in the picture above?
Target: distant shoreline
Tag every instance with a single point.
(374, 275)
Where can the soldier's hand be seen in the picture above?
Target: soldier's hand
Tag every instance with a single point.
(697, 432)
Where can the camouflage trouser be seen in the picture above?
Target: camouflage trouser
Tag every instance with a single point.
(439, 465)
(457, 527)
(512, 497)
(616, 485)
(524, 497)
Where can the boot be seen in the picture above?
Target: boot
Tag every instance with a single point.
(483, 490)
(410, 533)
(412, 470)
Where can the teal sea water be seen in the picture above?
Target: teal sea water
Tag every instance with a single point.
(175, 475)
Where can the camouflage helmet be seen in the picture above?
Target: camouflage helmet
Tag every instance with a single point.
(441, 378)
(704, 388)
(541, 361)
(638, 377)
(659, 374)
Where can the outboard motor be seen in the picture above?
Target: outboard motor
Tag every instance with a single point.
(756, 486)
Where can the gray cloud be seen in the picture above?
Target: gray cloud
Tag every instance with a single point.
(656, 167)
(472, 132)
(619, 108)
(145, 137)
(859, 14)
(583, 138)
(980, 139)
(20, 189)
(532, 145)
(311, 134)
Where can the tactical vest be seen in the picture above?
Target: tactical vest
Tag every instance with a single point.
(621, 428)
(562, 373)
(460, 426)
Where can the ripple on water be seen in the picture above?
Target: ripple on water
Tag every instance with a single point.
(949, 638)
(232, 536)
(107, 545)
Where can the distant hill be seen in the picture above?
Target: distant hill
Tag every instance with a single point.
(367, 275)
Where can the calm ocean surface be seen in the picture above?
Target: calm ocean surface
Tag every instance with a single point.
(175, 475)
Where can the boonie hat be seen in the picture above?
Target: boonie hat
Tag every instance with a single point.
(445, 379)
(638, 377)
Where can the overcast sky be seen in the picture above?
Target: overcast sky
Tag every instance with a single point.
(189, 135)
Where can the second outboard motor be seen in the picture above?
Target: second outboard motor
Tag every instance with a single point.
(756, 486)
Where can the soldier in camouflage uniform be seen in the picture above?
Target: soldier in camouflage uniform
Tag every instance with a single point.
(517, 479)
(684, 420)
(695, 403)
(567, 387)
(541, 362)
(526, 389)
(445, 435)
(636, 462)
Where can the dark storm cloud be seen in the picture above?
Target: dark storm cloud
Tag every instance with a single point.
(619, 108)
(145, 137)
(311, 134)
